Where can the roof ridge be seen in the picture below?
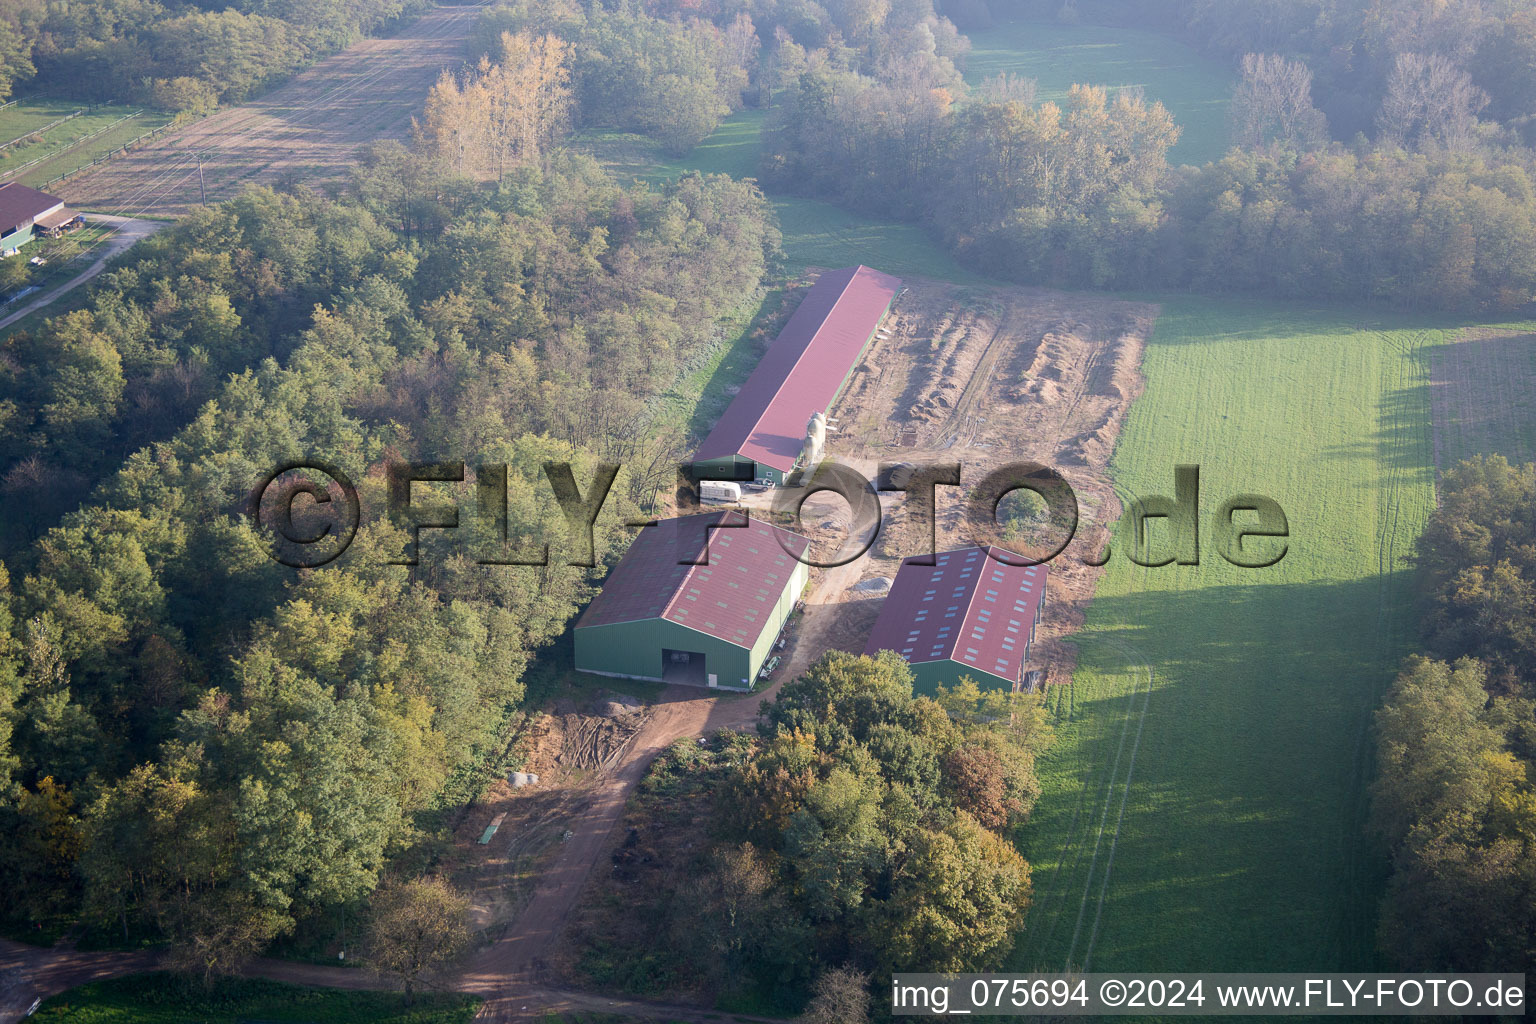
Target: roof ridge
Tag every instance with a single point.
(682, 584)
(841, 294)
(965, 617)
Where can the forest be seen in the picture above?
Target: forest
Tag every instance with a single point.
(1454, 795)
(182, 55)
(1434, 209)
(202, 748)
(861, 830)
(1427, 200)
(203, 745)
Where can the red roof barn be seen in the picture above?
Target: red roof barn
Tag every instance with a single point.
(22, 209)
(660, 618)
(968, 614)
(802, 373)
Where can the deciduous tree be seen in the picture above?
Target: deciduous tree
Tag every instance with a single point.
(415, 928)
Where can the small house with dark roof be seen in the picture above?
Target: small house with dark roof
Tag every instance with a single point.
(26, 214)
(971, 613)
(714, 624)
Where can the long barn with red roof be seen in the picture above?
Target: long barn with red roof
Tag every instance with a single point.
(762, 434)
(970, 613)
(662, 618)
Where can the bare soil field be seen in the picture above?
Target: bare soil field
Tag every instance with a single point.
(985, 377)
(1483, 397)
(307, 130)
(567, 750)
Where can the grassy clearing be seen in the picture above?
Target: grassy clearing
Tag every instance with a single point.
(78, 155)
(30, 115)
(1194, 87)
(60, 148)
(1215, 820)
(701, 393)
(167, 999)
(1484, 388)
(816, 234)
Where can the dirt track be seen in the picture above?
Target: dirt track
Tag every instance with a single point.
(308, 130)
(511, 972)
(126, 233)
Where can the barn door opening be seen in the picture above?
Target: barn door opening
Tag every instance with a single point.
(686, 667)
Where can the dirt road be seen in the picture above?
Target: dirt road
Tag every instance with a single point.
(510, 968)
(29, 972)
(126, 231)
(505, 973)
(307, 130)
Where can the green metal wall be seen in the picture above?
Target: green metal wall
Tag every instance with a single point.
(633, 650)
(22, 237)
(781, 610)
(928, 676)
(732, 467)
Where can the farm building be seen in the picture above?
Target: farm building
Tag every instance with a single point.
(26, 214)
(763, 433)
(702, 625)
(968, 614)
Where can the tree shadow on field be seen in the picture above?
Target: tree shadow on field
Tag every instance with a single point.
(1200, 320)
(1402, 441)
(1243, 842)
(735, 366)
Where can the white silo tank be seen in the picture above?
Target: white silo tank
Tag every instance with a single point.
(815, 439)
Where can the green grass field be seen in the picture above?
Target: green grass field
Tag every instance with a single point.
(82, 153)
(30, 115)
(1192, 86)
(164, 999)
(61, 148)
(1484, 404)
(816, 234)
(1214, 820)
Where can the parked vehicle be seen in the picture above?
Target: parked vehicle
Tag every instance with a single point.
(719, 490)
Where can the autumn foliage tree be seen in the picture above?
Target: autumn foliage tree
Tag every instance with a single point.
(502, 114)
(415, 928)
(881, 818)
(1455, 789)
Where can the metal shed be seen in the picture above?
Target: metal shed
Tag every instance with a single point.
(971, 613)
(710, 625)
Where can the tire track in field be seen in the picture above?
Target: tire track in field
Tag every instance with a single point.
(1125, 792)
(1059, 891)
(1394, 450)
(1077, 846)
